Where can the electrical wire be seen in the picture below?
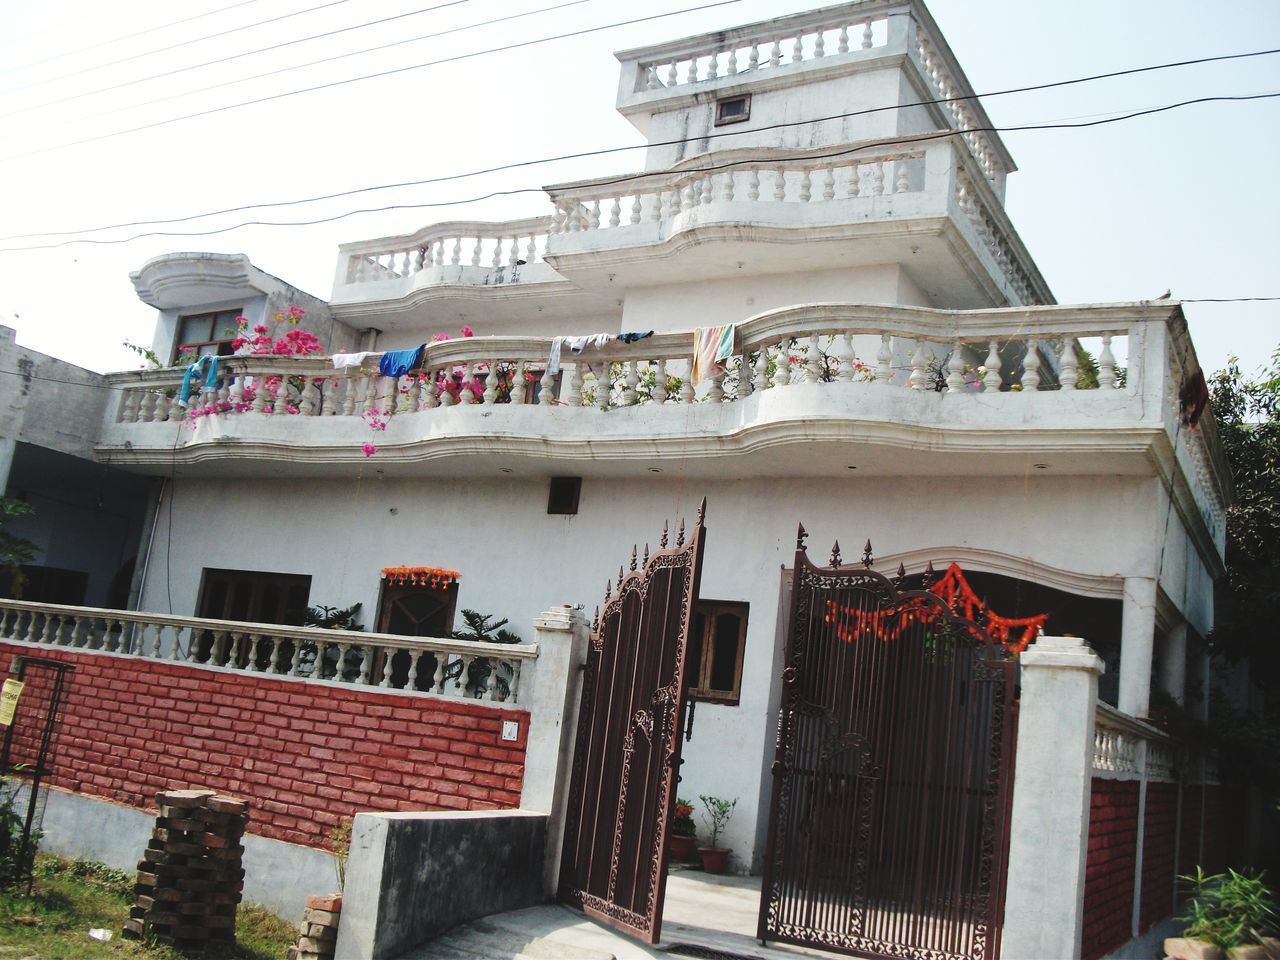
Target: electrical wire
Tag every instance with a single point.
(175, 46)
(251, 53)
(643, 146)
(127, 36)
(369, 76)
(710, 168)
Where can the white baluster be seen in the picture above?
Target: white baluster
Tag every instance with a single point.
(779, 185)
(574, 397)
(635, 210)
(877, 177)
(866, 35)
(1067, 374)
(490, 395)
(705, 190)
(496, 262)
(797, 49)
(813, 361)
(753, 59)
(731, 68)
(903, 183)
(884, 361)
(437, 679)
(842, 45)
(147, 408)
(475, 253)
(726, 192)
(430, 394)
(1106, 365)
(919, 363)
(659, 392)
(1031, 366)
(844, 372)
(392, 397)
(615, 212)
(744, 384)
(349, 395)
(775, 55)
(806, 186)
(855, 179)
(546, 387)
(456, 257)
(132, 401)
(655, 213)
(516, 390)
(281, 405)
(829, 184)
(819, 45)
(991, 379)
(466, 396)
(955, 368)
(713, 67)
(310, 398)
(761, 379)
(715, 393)
(671, 75)
(782, 364)
(491, 684)
(632, 381)
(692, 75)
(531, 252)
(687, 392)
(371, 383)
(411, 681)
(753, 185)
(413, 399)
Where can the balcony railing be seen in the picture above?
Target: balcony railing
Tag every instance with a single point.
(892, 347)
(426, 666)
(1128, 749)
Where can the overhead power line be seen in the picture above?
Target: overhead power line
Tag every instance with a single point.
(742, 161)
(369, 76)
(642, 146)
(127, 36)
(247, 53)
(176, 46)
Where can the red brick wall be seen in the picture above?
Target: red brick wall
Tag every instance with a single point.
(1109, 866)
(1160, 830)
(306, 755)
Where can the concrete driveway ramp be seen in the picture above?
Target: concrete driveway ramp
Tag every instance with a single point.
(486, 940)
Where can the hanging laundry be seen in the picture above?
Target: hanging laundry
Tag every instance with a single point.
(712, 347)
(633, 337)
(396, 363)
(207, 363)
(576, 344)
(342, 361)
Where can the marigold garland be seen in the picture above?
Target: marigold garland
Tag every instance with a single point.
(1014, 633)
(433, 578)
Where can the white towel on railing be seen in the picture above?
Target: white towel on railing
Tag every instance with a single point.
(341, 361)
(576, 344)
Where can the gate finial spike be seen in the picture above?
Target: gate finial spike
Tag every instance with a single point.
(633, 558)
(835, 554)
(663, 542)
(929, 575)
(620, 576)
(902, 575)
(645, 561)
(680, 534)
(595, 622)
(867, 558)
(702, 513)
(801, 535)
(608, 590)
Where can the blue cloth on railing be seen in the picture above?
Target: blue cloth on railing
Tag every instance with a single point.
(633, 337)
(396, 363)
(207, 363)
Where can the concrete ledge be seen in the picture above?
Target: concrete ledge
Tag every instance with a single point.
(412, 876)
(277, 875)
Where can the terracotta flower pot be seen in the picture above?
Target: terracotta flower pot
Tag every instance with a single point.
(1185, 948)
(714, 858)
(679, 847)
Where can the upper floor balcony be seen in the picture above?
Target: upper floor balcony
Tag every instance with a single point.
(924, 204)
(809, 390)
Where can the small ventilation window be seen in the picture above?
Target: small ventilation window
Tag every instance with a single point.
(563, 496)
(733, 110)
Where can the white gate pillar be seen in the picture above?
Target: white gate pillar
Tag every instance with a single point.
(1137, 645)
(562, 634)
(1049, 829)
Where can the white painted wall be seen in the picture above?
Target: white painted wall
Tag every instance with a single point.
(516, 561)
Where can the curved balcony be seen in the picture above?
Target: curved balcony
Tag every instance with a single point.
(809, 390)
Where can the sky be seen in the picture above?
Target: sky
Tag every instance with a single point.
(1186, 200)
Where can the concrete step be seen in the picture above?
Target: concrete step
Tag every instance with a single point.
(482, 940)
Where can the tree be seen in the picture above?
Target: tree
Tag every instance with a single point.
(1247, 413)
(14, 550)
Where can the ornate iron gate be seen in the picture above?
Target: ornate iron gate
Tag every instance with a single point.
(628, 742)
(889, 826)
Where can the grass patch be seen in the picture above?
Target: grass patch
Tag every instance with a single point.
(72, 896)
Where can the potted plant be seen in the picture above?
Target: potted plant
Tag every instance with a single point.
(683, 832)
(1232, 913)
(717, 817)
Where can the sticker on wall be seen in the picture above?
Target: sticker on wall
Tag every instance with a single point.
(9, 694)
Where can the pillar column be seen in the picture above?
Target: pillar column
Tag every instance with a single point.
(551, 696)
(1137, 645)
(1053, 775)
(1173, 664)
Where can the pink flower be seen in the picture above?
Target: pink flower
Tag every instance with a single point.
(440, 338)
(368, 449)
(467, 331)
(260, 328)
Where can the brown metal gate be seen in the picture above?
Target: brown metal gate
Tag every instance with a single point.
(889, 827)
(628, 742)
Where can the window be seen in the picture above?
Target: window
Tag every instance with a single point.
(717, 638)
(206, 334)
(563, 495)
(414, 610)
(733, 110)
(254, 596)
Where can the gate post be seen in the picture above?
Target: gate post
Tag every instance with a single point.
(562, 635)
(1049, 832)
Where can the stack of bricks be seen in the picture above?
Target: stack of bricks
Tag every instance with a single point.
(319, 929)
(190, 878)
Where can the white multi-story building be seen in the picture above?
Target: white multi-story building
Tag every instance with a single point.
(899, 372)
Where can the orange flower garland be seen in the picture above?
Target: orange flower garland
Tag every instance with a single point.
(434, 578)
(1014, 633)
